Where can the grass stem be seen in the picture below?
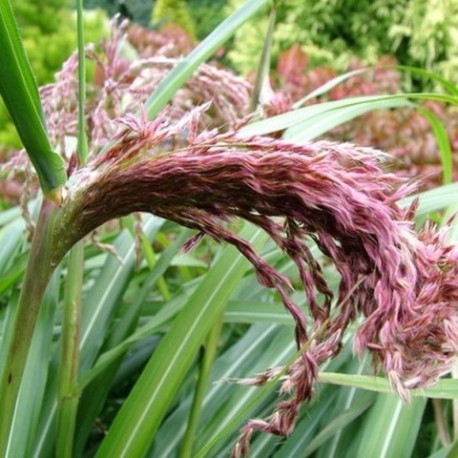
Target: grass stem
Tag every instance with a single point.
(40, 266)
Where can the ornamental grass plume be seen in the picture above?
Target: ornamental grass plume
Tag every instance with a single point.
(120, 85)
(403, 285)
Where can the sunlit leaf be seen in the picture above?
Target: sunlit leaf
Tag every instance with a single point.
(19, 91)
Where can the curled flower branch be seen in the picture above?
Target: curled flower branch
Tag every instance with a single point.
(403, 284)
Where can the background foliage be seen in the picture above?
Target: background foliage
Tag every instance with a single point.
(135, 10)
(419, 33)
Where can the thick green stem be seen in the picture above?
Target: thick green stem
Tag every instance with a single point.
(42, 262)
(68, 378)
(209, 352)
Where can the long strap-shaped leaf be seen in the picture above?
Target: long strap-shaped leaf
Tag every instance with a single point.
(134, 427)
(19, 91)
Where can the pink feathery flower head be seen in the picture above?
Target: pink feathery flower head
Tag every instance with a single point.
(121, 85)
(403, 284)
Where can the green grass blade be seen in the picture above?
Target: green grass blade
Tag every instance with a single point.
(28, 410)
(443, 143)
(13, 50)
(391, 427)
(8, 316)
(208, 354)
(245, 356)
(186, 67)
(444, 389)
(324, 122)
(450, 451)
(135, 425)
(19, 90)
(338, 423)
(11, 239)
(121, 339)
(103, 297)
(262, 74)
(129, 319)
(323, 407)
(301, 116)
(164, 316)
(14, 273)
(98, 306)
(323, 89)
(257, 312)
(304, 431)
(99, 379)
(329, 85)
(245, 401)
(68, 393)
(12, 214)
(433, 200)
(347, 399)
(433, 76)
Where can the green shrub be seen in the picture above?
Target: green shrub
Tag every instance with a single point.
(173, 11)
(207, 14)
(421, 33)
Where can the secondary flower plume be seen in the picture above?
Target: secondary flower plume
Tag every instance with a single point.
(404, 285)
